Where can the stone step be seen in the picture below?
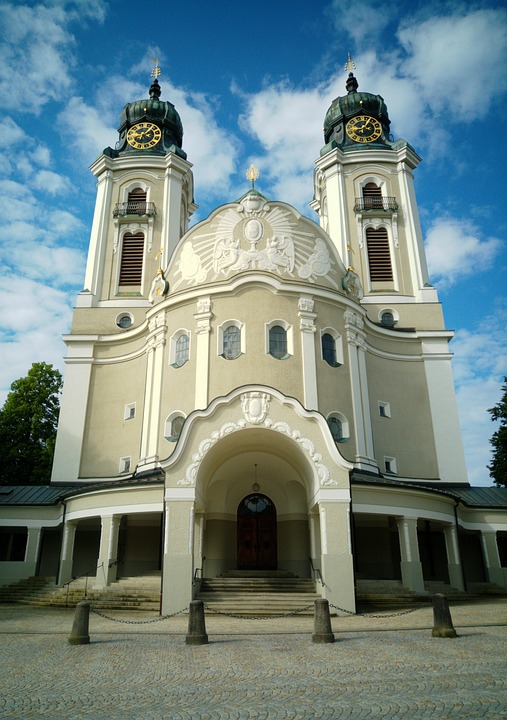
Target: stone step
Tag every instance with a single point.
(248, 585)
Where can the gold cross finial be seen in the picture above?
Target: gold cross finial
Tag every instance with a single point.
(252, 174)
(156, 70)
(349, 65)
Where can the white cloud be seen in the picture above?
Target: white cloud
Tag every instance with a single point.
(11, 133)
(86, 125)
(455, 249)
(55, 266)
(50, 182)
(31, 330)
(454, 57)
(362, 19)
(37, 43)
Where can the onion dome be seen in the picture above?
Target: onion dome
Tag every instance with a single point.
(150, 125)
(354, 104)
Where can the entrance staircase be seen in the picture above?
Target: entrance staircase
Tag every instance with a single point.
(258, 593)
(136, 593)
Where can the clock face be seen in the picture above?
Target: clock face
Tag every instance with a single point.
(143, 135)
(363, 129)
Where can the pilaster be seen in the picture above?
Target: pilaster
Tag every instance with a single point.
(365, 458)
(178, 565)
(307, 327)
(154, 374)
(202, 333)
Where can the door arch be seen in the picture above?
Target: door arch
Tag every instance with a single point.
(256, 533)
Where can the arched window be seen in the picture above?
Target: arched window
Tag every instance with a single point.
(379, 255)
(181, 350)
(335, 425)
(173, 427)
(136, 202)
(231, 347)
(339, 426)
(278, 342)
(131, 263)
(329, 349)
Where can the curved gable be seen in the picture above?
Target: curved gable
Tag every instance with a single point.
(255, 235)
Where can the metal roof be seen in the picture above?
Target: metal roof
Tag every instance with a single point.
(33, 494)
(53, 494)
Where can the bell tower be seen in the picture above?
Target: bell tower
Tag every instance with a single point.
(364, 195)
(144, 202)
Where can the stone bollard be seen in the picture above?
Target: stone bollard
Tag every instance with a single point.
(196, 626)
(80, 633)
(322, 623)
(442, 620)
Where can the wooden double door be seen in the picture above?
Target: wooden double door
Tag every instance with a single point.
(256, 533)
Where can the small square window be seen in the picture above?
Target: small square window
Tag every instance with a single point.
(384, 409)
(130, 411)
(390, 465)
(125, 465)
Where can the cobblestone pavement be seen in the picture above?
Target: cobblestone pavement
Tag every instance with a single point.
(387, 667)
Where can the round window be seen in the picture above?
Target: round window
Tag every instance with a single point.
(124, 321)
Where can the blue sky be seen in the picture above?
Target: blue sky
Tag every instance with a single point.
(252, 83)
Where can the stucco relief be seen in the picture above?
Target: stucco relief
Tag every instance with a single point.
(255, 235)
(255, 406)
(308, 447)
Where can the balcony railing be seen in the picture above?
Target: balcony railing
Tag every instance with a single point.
(388, 204)
(134, 207)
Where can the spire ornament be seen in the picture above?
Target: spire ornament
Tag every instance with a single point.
(349, 65)
(156, 70)
(252, 174)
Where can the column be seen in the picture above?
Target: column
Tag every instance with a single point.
(32, 549)
(453, 557)
(107, 567)
(411, 567)
(178, 565)
(308, 329)
(67, 553)
(202, 351)
(494, 571)
(177, 170)
(336, 551)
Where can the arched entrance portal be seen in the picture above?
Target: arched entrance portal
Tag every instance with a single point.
(256, 533)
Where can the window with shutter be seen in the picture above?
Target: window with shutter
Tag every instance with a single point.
(131, 265)
(136, 202)
(379, 255)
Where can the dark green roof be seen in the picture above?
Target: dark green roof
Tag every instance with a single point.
(53, 494)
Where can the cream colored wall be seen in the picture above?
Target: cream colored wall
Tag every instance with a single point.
(255, 307)
(422, 316)
(407, 434)
(108, 437)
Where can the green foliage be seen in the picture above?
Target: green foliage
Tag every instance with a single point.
(28, 422)
(498, 468)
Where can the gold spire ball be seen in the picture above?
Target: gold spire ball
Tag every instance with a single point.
(252, 174)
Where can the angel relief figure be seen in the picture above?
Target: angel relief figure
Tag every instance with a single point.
(279, 254)
(225, 254)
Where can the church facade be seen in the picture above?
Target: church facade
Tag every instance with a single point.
(259, 392)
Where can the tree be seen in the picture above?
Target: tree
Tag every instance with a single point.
(498, 468)
(28, 422)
